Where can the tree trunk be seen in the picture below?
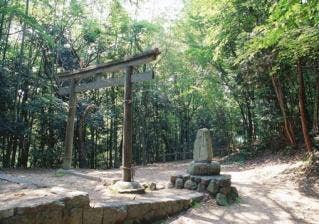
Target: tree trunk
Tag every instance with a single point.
(302, 108)
(81, 130)
(315, 127)
(288, 127)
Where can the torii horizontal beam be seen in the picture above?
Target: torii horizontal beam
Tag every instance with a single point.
(102, 83)
(113, 66)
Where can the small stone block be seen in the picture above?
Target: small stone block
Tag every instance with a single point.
(125, 187)
(152, 186)
(232, 195)
(173, 179)
(213, 187)
(179, 184)
(186, 177)
(205, 182)
(190, 185)
(221, 199)
(224, 190)
(201, 187)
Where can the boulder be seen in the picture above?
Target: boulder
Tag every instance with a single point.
(213, 187)
(152, 186)
(221, 199)
(201, 187)
(179, 184)
(225, 190)
(224, 181)
(190, 185)
(186, 177)
(173, 179)
(205, 181)
(232, 195)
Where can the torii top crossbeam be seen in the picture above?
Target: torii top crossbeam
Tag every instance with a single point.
(113, 66)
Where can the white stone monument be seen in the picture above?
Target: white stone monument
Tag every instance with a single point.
(202, 164)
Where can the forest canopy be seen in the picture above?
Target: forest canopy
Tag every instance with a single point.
(248, 70)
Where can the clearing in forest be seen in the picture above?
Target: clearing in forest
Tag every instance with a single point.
(269, 193)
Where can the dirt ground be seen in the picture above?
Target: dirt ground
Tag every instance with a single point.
(270, 191)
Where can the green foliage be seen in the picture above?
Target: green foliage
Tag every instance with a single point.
(215, 71)
(91, 31)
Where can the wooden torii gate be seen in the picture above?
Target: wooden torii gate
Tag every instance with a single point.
(75, 87)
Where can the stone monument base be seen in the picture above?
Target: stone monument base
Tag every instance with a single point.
(218, 186)
(204, 168)
(124, 187)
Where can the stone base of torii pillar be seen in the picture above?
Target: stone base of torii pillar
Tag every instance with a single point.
(125, 187)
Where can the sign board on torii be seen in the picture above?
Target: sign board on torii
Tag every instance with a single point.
(75, 76)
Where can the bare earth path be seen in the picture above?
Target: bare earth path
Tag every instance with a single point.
(269, 194)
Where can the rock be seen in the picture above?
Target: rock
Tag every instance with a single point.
(203, 147)
(201, 187)
(203, 168)
(173, 179)
(152, 186)
(232, 195)
(179, 183)
(205, 182)
(225, 181)
(221, 199)
(225, 190)
(125, 187)
(190, 185)
(213, 187)
(198, 179)
(186, 177)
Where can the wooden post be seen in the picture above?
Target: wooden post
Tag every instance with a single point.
(69, 134)
(127, 130)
